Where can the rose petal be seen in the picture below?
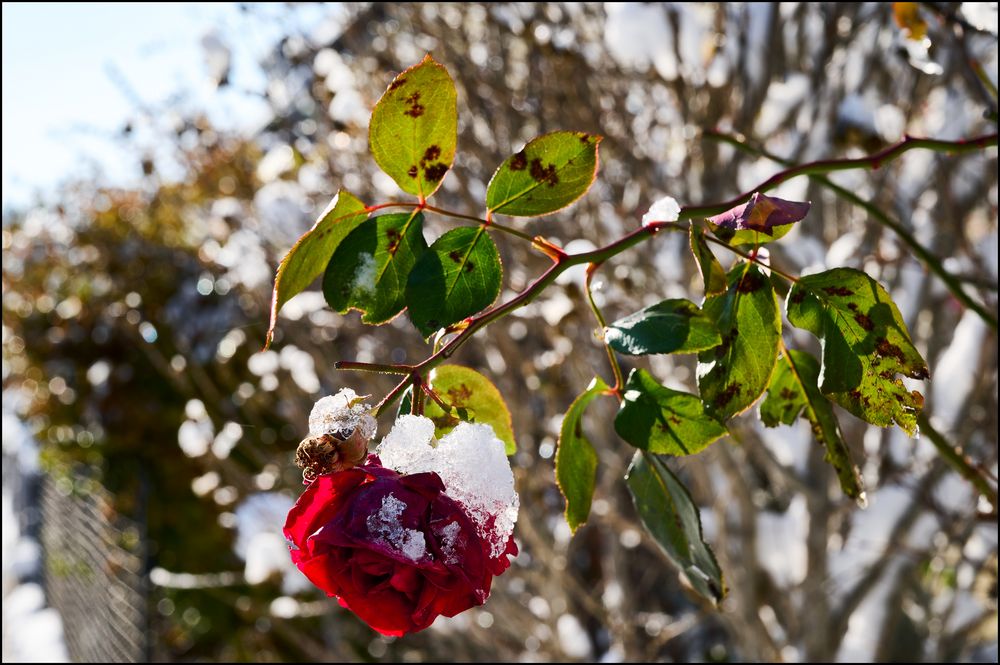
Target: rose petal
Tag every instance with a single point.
(319, 503)
(405, 579)
(321, 573)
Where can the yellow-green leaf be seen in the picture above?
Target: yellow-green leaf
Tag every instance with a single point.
(472, 397)
(547, 174)
(711, 270)
(312, 251)
(414, 128)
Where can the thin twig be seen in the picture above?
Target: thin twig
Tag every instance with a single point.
(871, 162)
(932, 262)
(957, 459)
(612, 359)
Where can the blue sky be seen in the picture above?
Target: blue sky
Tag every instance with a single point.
(60, 102)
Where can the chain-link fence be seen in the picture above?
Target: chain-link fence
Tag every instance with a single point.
(95, 573)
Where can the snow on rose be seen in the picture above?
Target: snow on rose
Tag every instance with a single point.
(413, 532)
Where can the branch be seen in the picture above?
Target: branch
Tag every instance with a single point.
(932, 262)
(957, 459)
(563, 261)
(821, 167)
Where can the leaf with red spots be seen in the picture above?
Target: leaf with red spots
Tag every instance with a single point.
(473, 398)
(660, 420)
(547, 174)
(794, 391)
(734, 374)
(414, 128)
(865, 346)
(670, 515)
(368, 271)
(459, 276)
(309, 256)
(576, 459)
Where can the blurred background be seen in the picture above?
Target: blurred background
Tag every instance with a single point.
(158, 161)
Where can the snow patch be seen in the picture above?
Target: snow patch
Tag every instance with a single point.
(343, 412)
(663, 210)
(363, 282)
(384, 525)
(448, 539)
(471, 462)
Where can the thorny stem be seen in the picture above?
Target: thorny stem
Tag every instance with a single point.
(391, 396)
(612, 358)
(932, 262)
(430, 392)
(416, 401)
(377, 368)
(563, 261)
(875, 161)
(532, 291)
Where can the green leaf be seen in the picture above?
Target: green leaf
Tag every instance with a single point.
(414, 128)
(576, 459)
(405, 403)
(865, 345)
(473, 398)
(711, 270)
(458, 277)
(671, 517)
(734, 374)
(312, 251)
(660, 420)
(671, 326)
(368, 271)
(794, 390)
(548, 174)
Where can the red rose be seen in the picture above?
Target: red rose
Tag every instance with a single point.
(392, 548)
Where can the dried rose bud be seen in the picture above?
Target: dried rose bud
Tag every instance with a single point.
(340, 427)
(329, 453)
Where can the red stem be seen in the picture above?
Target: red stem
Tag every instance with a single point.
(829, 165)
(563, 261)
